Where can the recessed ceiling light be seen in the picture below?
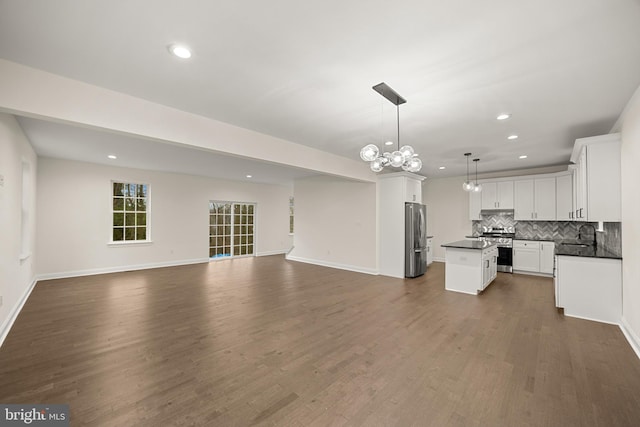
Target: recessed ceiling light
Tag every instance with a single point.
(512, 137)
(388, 143)
(112, 157)
(522, 157)
(503, 116)
(180, 51)
(442, 167)
(249, 176)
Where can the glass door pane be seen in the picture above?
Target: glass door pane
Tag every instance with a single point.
(231, 229)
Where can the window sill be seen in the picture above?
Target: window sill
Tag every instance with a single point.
(131, 243)
(25, 256)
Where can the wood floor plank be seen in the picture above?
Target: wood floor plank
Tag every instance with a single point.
(268, 342)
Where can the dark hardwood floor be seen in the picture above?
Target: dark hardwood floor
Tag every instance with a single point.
(264, 341)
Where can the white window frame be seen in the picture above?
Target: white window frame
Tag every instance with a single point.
(147, 240)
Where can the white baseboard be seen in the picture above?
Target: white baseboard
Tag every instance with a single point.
(629, 334)
(268, 253)
(438, 259)
(120, 268)
(13, 314)
(333, 265)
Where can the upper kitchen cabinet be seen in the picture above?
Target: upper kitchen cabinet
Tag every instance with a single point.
(598, 194)
(475, 205)
(497, 195)
(535, 199)
(413, 192)
(564, 197)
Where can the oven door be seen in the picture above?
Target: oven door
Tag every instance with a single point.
(505, 260)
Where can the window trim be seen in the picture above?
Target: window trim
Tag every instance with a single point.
(148, 239)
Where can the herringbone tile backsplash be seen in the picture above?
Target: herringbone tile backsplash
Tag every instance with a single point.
(552, 230)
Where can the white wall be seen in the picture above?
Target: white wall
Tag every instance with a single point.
(335, 223)
(16, 275)
(447, 212)
(74, 217)
(630, 134)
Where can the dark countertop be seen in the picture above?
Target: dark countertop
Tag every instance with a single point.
(535, 239)
(471, 237)
(588, 251)
(469, 244)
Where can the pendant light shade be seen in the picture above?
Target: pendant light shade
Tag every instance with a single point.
(467, 185)
(405, 156)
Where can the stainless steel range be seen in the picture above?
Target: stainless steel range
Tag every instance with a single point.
(503, 237)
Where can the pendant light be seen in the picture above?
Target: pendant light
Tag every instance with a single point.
(467, 185)
(477, 187)
(404, 156)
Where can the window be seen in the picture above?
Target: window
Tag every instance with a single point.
(130, 212)
(231, 229)
(291, 215)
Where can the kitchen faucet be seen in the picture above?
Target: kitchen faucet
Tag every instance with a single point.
(592, 228)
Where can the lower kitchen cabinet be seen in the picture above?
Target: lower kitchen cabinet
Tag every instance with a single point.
(526, 256)
(533, 256)
(546, 257)
(589, 288)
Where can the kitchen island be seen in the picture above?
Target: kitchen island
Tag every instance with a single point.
(470, 265)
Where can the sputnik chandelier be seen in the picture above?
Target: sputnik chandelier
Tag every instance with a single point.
(404, 156)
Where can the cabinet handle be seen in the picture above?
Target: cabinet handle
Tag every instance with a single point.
(536, 215)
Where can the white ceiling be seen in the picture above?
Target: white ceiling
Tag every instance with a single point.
(303, 71)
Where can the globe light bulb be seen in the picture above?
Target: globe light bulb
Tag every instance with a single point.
(369, 153)
(477, 188)
(407, 152)
(396, 159)
(415, 164)
(467, 186)
(376, 165)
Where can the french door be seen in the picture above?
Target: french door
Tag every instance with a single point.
(231, 229)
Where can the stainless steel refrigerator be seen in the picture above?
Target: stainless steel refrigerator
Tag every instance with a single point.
(415, 255)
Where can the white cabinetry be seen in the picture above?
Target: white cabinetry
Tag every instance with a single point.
(597, 183)
(546, 257)
(590, 288)
(497, 195)
(533, 256)
(564, 197)
(429, 251)
(526, 256)
(535, 199)
(475, 204)
(394, 191)
(413, 193)
(470, 270)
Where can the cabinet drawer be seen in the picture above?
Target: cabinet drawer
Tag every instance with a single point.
(525, 244)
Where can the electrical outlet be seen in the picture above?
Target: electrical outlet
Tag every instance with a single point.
(0, 300)
(1, 180)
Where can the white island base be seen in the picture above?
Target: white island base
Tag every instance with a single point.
(470, 269)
